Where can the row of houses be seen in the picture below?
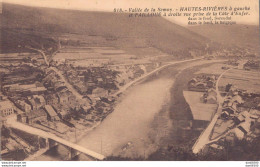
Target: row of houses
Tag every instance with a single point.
(230, 106)
(85, 80)
(252, 64)
(209, 97)
(244, 123)
(46, 113)
(243, 118)
(33, 110)
(24, 89)
(237, 122)
(59, 92)
(52, 81)
(22, 74)
(202, 83)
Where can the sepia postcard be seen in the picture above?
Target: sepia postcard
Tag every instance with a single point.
(121, 80)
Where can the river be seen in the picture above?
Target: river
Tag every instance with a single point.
(142, 120)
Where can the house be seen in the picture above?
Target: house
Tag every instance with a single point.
(239, 119)
(216, 146)
(233, 91)
(212, 78)
(242, 130)
(24, 106)
(66, 108)
(228, 87)
(22, 118)
(246, 115)
(210, 83)
(6, 108)
(212, 92)
(72, 99)
(82, 78)
(67, 98)
(52, 99)
(89, 117)
(37, 116)
(227, 100)
(59, 85)
(39, 98)
(63, 96)
(63, 114)
(52, 115)
(100, 80)
(255, 112)
(108, 100)
(199, 86)
(230, 106)
(238, 99)
(228, 109)
(192, 82)
(99, 92)
(86, 108)
(37, 90)
(36, 102)
(91, 83)
(203, 98)
(211, 99)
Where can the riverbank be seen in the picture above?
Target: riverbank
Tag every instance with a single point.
(171, 125)
(130, 120)
(144, 119)
(181, 136)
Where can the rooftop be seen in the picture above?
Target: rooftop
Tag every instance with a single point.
(5, 105)
(38, 113)
(50, 110)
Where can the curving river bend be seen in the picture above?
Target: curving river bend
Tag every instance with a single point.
(142, 120)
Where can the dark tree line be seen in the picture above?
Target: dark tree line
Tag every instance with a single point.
(239, 150)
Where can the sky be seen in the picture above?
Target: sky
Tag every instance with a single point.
(109, 5)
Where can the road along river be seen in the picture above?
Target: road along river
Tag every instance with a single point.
(141, 121)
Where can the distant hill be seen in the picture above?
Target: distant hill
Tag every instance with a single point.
(132, 34)
(244, 36)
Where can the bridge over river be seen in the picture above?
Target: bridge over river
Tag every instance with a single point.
(52, 139)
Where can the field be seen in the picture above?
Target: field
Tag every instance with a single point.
(245, 80)
(78, 53)
(200, 111)
(213, 69)
(99, 56)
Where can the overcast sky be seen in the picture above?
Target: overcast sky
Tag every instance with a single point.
(109, 5)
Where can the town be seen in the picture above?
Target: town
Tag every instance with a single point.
(65, 97)
(69, 98)
(84, 85)
(227, 105)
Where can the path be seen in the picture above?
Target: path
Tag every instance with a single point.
(122, 89)
(203, 139)
(67, 84)
(41, 52)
